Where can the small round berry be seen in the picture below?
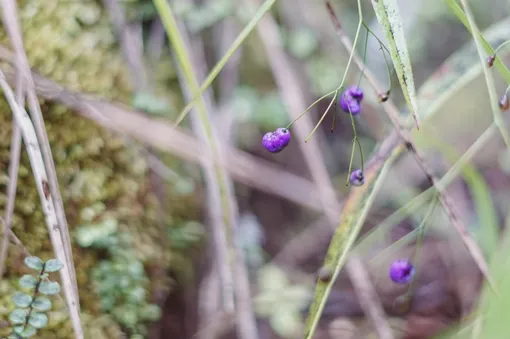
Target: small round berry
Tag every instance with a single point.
(490, 60)
(276, 141)
(402, 271)
(383, 97)
(356, 92)
(283, 135)
(268, 141)
(351, 99)
(357, 178)
(504, 104)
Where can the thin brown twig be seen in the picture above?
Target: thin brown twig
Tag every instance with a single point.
(11, 24)
(367, 296)
(14, 159)
(393, 113)
(293, 98)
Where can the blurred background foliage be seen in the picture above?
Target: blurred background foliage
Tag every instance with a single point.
(142, 243)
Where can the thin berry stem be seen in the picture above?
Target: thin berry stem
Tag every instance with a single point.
(351, 55)
(364, 60)
(350, 162)
(376, 37)
(360, 154)
(322, 118)
(500, 47)
(506, 90)
(355, 141)
(419, 240)
(384, 51)
(335, 92)
(334, 119)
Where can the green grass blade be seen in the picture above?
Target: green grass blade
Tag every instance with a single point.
(459, 13)
(353, 217)
(498, 117)
(181, 53)
(266, 6)
(494, 308)
(388, 15)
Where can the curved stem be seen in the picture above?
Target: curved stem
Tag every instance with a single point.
(335, 92)
(383, 49)
(321, 119)
(500, 47)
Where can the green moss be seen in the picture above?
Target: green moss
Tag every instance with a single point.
(100, 178)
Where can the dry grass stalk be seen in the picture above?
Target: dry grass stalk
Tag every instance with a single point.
(14, 158)
(11, 24)
(41, 179)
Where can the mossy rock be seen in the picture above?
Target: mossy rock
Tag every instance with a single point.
(73, 43)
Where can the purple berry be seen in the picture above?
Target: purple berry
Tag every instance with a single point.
(351, 99)
(268, 141)
(356, 92)
(402, 271)
(357, 178)
(276, 141)
(283, 136)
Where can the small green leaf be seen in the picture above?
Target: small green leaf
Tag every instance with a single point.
(34, 263)
(18, 316)
(388, 15)
(22, 299)
(28, 281)
(53, 265)
(49, 287)
(25, 332)
(41, 304)
(38, 320)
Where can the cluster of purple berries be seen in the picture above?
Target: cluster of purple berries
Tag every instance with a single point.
(276, 141)
(402, 271)
(350, 101)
